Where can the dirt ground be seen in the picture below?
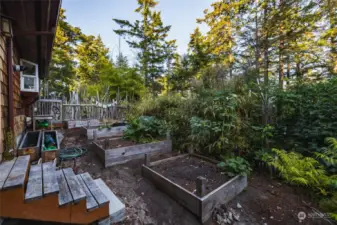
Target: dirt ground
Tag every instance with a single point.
(184, 171)
(265, 201)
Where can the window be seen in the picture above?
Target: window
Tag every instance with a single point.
(29, 77)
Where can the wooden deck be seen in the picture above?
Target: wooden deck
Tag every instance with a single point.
(40, 192)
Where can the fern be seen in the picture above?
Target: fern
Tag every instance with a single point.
(299, 170)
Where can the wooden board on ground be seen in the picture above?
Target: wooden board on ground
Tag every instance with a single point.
(50, 184)
(94, 189)
(5, 169)
(64, 193)
(90, 200)
(17, 176)
(75, 188)
(34, 186)
(116, 207)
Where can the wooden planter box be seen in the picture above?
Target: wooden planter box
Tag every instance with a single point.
(94, 132)
(81, 123)
(50, 155)
(115, 156)
(201, 206)
(30, 145)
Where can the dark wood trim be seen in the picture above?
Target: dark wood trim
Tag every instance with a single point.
(26, 33)
(9, 47)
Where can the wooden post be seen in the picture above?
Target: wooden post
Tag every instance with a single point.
(147, 160)
(95, 134)
(201, 186)
(168, 136)
(106, 143)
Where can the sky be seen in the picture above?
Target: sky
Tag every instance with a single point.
(94, 17)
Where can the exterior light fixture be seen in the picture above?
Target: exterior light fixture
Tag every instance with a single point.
(6, 27)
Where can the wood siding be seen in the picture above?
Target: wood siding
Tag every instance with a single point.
(17, 104)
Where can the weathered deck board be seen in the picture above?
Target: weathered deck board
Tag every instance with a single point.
(91, 202)
(76, 191)
(116, 207)
(94, 189)
(50, 184)
(34, 186)
(5, 168)
(64, 194)
(16, 177)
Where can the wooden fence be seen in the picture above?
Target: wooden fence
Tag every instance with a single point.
(65, 112)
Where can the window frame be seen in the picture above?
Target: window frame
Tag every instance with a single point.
(36, 77)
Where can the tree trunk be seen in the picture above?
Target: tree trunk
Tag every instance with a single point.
(288, 70)
(266, 67)
(257, 46)
(281, 48)
(333, 50)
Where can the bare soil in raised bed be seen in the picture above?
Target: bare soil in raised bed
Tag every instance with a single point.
(184, 172)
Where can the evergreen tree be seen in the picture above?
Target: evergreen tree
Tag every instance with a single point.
(148, 36)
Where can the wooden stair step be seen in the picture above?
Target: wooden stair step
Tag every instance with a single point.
(91, 203)
(116, 207)
(17, 175)
(50, 184)
(34, 185)
(75, 188)
(64, 195)
(96, 192)
(5, 168)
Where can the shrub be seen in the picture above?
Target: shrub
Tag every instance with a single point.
(144, 129)
(299, 170)
(235, 166)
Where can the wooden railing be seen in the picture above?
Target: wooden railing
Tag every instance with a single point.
(65, 112)
(91, 111)
(49, 107)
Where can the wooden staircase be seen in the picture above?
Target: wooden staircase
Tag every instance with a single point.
(40, 192)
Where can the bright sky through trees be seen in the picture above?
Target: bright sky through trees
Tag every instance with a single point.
(95, 17)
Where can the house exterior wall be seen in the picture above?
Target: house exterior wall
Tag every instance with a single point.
(19, 117)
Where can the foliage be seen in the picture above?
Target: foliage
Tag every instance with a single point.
(307, 115)
(144, 129)
(328, 156)
(299, 170)
(235, 166)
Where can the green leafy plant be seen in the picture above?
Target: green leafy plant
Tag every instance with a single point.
(296, 169)
(144, 129)
(235, 166)
(9, 145)
(328, 155)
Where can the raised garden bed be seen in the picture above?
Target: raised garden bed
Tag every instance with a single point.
(81, 123)
(96, 132)
(194, 182)
(30, 145)
(116, 151)
(50, 146)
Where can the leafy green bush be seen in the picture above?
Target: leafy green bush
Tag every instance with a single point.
(235, 166)
(296, 169)
(307, 115)
(328, 155)
(144, 129)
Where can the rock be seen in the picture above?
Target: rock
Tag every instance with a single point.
(271, 217)
(236, 217)
(219, 219)
(278, 207)
(230, 216)
(238, 206)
